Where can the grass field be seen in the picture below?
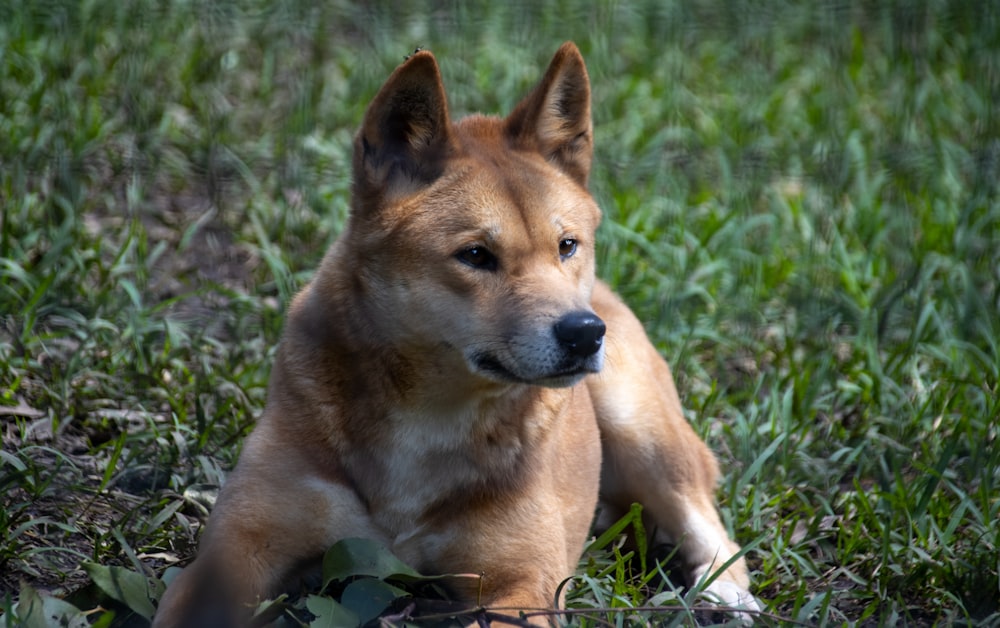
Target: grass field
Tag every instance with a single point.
(802, 202)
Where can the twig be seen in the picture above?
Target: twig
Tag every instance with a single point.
(392, 620)
(712, 608)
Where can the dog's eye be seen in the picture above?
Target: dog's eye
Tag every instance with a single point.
(567, 248)
(478, 257)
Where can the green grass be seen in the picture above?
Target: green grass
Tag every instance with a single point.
(801, 202)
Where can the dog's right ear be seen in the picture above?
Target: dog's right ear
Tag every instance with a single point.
(406, 136)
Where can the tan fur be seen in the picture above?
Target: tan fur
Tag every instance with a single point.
(442, 385)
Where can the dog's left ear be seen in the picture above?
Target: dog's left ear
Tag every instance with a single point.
(554, 118)
(406, 134)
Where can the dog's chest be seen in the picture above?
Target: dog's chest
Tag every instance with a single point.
(440, 461)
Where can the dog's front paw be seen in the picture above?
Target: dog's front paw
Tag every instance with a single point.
(732, 597)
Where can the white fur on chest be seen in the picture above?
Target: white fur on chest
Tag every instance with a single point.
(436, 456)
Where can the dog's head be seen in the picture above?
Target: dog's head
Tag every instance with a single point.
(476, 237)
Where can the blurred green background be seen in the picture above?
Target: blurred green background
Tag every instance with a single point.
(801, 202)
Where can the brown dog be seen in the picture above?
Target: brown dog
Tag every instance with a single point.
(453, 377)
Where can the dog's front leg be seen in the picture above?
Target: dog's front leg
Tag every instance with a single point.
(654, 457)
(673, 476)
(276, 515)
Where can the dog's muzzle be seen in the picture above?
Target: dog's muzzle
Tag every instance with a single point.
(563, 358)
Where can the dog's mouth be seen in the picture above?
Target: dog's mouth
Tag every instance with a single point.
(567, 375)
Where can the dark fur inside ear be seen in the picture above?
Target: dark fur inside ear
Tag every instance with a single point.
(554, 119)
(405, 136)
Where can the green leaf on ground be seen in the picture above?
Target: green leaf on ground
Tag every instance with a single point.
(128, 587)
(330, 613)
(368, 597)
(37, 610)
(363, 557)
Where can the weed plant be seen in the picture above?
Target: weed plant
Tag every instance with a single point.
(801, 202)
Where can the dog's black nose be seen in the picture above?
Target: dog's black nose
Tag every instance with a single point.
(580, 332)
